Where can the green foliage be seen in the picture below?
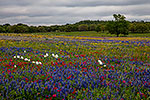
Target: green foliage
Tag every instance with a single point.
(141, 27)
(119, 26)
(41, 29)
(19, 28)
(98, 28)
(83, 27)
(92, 27)
(132, 27)
(32, 29)
(2, 30)
(88, 22)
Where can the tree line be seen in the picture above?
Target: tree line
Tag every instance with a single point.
(117, 26)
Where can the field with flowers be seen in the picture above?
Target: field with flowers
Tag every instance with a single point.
(43, 67)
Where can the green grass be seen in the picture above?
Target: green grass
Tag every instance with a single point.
(139, 35)
(93, 34)
(86, 33)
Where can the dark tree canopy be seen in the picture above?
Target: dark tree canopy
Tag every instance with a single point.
(118, 26)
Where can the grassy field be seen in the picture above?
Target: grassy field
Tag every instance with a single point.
(93, 34)
(89, 33)
(61, 67)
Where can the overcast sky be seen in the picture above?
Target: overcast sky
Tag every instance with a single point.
(51, 12)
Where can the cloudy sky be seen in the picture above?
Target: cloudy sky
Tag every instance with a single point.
(50, 12)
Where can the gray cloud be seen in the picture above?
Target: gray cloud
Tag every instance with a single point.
(72, 3)
(48, 12)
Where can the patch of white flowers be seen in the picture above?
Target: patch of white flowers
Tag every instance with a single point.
(55, 56)
(18, 56)
(34, 62)
(38, 63)
(100, 62)
(26, 59)
(46, 55)
(21, 57)
(14, 56)
(15, 66)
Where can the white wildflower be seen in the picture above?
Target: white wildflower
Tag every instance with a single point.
(26, 59)
(37, 62)
(40, 63)
(24, 51)
(21, 57)
(46, 54)
(100, 62)
(104, 65)
(56, 56)
(18, 56)
(33, 62)
(14, 56)
(53, 55)
(15, 66)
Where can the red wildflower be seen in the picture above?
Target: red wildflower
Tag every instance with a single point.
(26, 79)
(82, 55)
(51, 77)
(112, 67)
(84, 62)
(56, 63)
(69, 77)
(124, 81)
(70, 63)
(102, 77)
(54, 95)
(74, 92)
(58, 90)
(51, 98)
(55, 88)
(63, 63)
(46, 87)
(76, 55)
(84, 68)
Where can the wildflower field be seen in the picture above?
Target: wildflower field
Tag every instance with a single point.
(74, 67)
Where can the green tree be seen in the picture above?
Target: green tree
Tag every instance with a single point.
(19, 28)
(69, 28)
(2, 29)
(98, 28)
(132, 27)
(6, 26)
(148, 25)
(83, 27)
(103, 27)
(141, 27)
(32, 29)
(92, 27)
(119, 26)
(41, 29)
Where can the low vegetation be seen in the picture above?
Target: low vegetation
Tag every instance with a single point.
(117, 26)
